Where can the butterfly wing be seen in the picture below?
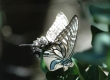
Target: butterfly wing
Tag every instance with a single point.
(59, 24)
(67, 38)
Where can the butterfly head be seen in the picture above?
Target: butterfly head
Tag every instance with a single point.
(37, 45)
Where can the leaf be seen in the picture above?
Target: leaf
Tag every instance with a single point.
(93, 72)
(43, 65)
(81, 71)
(96, 73)
(55, 75)
(108, 59)
(108, 62)
(102, 75)
(108, 76)
(71, 73)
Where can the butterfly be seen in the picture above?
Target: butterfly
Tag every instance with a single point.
(59, 41)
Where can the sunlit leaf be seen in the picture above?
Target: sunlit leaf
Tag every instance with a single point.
(81, 71)
(43, 65)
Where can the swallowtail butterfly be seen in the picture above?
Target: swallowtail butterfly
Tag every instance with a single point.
(59, 41)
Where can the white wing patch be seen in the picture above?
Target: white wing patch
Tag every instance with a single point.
(60, 23)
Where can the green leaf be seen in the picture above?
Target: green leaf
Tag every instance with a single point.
(71, 73)
(108, 59)
(108, 76)
(108, 62)
(43, 65)
(102, 75)
(58, 74)
(96, 73)
(93, 72)
(80, 69)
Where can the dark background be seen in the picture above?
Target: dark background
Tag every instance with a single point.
(25, 18)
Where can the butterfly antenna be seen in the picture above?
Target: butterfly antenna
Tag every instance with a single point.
(30, 45)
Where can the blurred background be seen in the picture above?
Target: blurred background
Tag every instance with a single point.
(21, 22)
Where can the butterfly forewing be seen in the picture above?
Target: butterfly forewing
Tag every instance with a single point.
(72, 38)
(67, 38)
